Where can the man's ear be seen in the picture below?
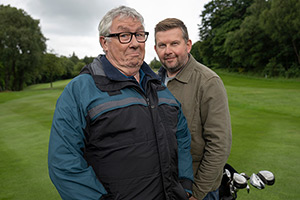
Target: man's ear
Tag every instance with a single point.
(103, 42)
(189, 45)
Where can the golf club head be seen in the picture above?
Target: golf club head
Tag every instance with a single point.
(256, 182)
(239, 181)
(248, 188)
(267, 177)
(245, 175)
(228, 174)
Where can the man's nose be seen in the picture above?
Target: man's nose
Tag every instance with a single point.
(168, 50)
(134, 41)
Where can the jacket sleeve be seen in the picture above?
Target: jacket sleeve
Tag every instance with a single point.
(216, 132)
(68, 170)
(185, 164)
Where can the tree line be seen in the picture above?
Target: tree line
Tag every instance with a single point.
(245, 36)
(23, 56)
(251, 36)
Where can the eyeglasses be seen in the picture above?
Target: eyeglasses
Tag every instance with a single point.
(126, 37)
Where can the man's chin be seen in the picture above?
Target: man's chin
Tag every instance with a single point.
(134, 64)
(172, 68)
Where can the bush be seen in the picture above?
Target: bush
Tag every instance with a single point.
(293, 71)
(274, 69)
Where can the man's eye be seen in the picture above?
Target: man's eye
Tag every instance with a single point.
(140, 34)
(125, 35)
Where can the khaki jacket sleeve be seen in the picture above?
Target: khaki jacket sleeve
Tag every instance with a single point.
(215, 119)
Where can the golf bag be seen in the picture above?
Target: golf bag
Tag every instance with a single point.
(233, 181)
(225, 191)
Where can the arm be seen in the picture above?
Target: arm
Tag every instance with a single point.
(216, 133)
(185, 166)
(68, 170)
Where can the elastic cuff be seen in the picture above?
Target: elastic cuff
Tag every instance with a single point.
(190, 192)
(187, 184)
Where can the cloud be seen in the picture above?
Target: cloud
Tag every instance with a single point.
(71, 25)
(71, 17)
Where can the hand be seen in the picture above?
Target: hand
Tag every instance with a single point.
(192, 198)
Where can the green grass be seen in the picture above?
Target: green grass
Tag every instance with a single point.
(265, 118)
(266, 132)
(25, 121)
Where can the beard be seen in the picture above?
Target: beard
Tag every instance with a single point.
(173, 68)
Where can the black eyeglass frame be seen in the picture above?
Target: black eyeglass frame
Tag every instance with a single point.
(131, 34)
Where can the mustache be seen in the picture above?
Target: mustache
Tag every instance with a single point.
(167, 57)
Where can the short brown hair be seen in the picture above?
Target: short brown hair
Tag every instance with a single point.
(170, 23)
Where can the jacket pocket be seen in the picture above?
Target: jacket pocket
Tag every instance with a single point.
(179, 192)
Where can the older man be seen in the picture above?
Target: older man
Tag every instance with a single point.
(117, 132)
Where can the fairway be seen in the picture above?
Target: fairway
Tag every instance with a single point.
(265, 117)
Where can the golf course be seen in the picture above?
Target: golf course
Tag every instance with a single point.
(265, 117)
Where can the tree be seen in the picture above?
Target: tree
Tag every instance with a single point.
(218, 19)
(196, 51)
(281, 22)
(87, 60)
(2, 72)
(74, 58)
(78, 67)
(249, 46)
(68, 66)
(21, 47)
(260, 36)
(52, 67)
(155, 64)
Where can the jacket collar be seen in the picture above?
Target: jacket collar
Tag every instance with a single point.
(114, 79)
(114, 74)
(101, 66)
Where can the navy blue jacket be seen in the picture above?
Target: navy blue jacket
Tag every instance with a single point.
(114, 138)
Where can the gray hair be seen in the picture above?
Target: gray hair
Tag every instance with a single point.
(122, 12)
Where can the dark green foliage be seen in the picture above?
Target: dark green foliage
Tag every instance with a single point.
(23, 57)
(281, 22)
(74, 58)
(52, 67)
(249, 46)
(256, 36)
(77, 68)
(196, 51)
(21, 47)
(68, 66)
(155, 64)
(219, 18)
(88, 60)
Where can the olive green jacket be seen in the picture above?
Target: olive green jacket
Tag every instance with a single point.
(205, 106)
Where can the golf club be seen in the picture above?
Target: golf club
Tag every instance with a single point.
(256, 182)
(267, 177)
(239, 181)
(233, 181)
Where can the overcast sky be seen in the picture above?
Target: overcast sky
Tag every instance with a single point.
(71, 25)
